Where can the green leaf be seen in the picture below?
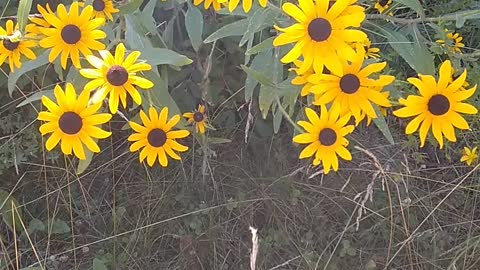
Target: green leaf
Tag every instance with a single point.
(266, 97)
(194, 26)
(277, 120)
(257, 63)
(215, 140)
(382, 125)
(236, 28)
(260, 77)
(415, 52)
(83, 164)
(265, 45)
(37, 96)
(162, 56)
(135, 32)
(463, 16)
(160, 97)
(36, 225)
(32, 268)
(26, 67)
(23, 11)
(130, 7)
(413, 4)
(99, 264)
(6, 209)
(59, 227)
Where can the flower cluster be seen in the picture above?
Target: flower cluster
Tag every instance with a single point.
(329, 52)
(74, 121)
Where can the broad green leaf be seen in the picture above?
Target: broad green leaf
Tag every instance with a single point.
(258, 76)
(256, 19)
(265, 45)
(462, 16)
(194, 26)
(6, 209)
(26, 67)
(215, 140)
(99, 264)
(130, 7)
(277, 120)
(37, 96)
(23, 11)
(414, 52)
(59, 227)
(257, 63)
(236, 28)
(135, 32)
(160, 97)
(83, 164)
(36, 225)
(162, 56)
(382, 125)
(266, 97)
(413, 4)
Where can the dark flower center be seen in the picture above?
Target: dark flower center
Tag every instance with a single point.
(70, 123)
(383, 2)
(11, 46)
(71, 34)
(349, 84)
(438, 105)
(319, 29)
(198, 117)
(157, 137)
(98, 5)
(327, 136)
(117, 75)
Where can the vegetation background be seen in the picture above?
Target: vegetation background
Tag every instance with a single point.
(395, 206)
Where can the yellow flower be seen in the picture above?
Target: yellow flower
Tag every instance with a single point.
(368, 51)
(454, 42)
(469, 156)
(71, 33)
(117, 76)
(438, 106)
(383, 111)
(217, 4)
(40, 22)
(325, 136)
(302, 79)
(102, 9)
(320, 34)
(382, 5)
(156, 137)
(350, 89)
(198, 118)
(11, 51)
(246, 4)
(72, 122)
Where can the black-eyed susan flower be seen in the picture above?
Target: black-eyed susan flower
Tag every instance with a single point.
(39, 21)
(156, 137)
(102, 9)
(320, 34)
(71, 33)
(325, 136)
(382, 5)
(363, 115)
(198, 118)
(116, 75)
(11, 51)
(216, 4)
(453, 42)
(302, 79)
(438, 106)
(246, 4)
(72, 122)
(469, 155)
(350, 89)
(370, 52)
